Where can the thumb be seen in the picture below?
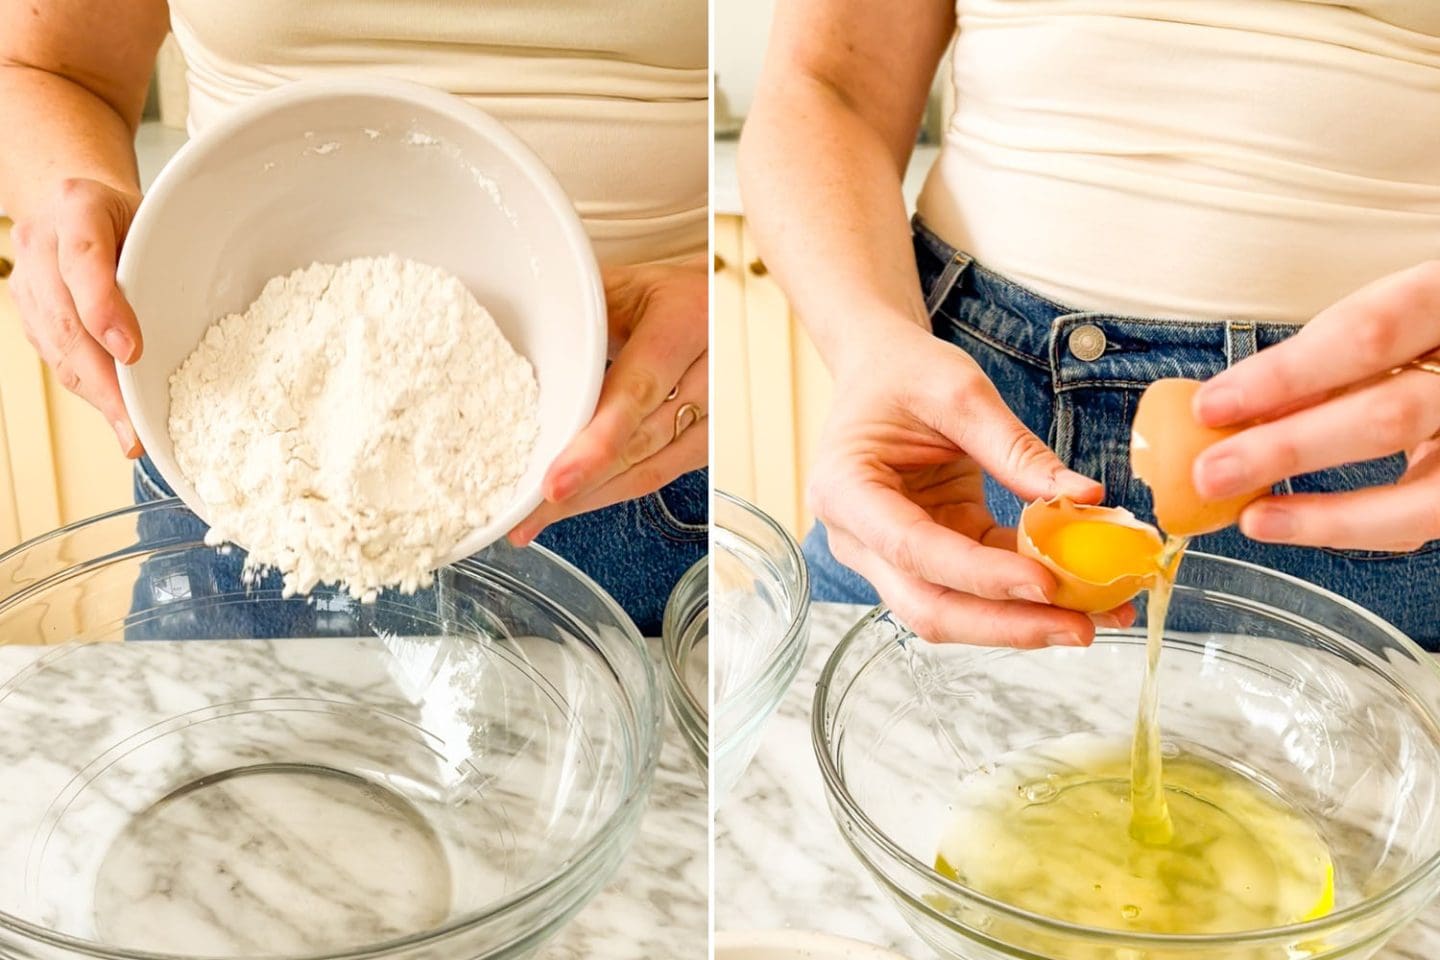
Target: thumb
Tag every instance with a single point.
(986, 429)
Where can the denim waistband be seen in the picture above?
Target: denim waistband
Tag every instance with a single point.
(1081, 348)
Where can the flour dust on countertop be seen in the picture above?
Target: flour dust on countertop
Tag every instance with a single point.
(354, 424)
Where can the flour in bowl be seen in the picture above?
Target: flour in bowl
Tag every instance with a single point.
(354, 424)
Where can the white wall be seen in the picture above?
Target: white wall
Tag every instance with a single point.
(742, 28)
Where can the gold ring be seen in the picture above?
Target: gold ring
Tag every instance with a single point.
(674, 392)
(1428, 364)
(685, 418)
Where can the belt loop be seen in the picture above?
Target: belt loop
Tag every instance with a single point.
(1239, 341)
(944, 283)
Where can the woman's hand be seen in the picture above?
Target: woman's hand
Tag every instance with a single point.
(64, 286)
(1343, 389)
(899, 487)
(648, 428)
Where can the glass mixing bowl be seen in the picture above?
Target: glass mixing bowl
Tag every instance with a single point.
(1324, 703)
(686, 641)
(194, 766)
(761, 603)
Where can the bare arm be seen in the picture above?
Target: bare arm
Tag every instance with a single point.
(897, 481)
(72, 84)
(823, 157)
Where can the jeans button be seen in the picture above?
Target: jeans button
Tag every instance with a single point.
(1087, 342)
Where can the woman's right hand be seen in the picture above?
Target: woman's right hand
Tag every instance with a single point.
(70, 306)
(899, 488)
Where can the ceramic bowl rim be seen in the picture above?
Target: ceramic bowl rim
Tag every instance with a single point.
(192, 157)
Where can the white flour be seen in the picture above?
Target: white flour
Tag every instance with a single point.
(354, 424)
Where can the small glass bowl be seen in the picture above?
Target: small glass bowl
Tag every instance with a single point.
(1326, 704)
(195, 766)
(761, 602)
(686, 641)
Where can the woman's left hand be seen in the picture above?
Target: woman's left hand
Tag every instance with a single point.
(648, 427)
(1360, 381)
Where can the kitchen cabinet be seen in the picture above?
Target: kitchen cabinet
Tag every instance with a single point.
(771, 390)
(59, 460)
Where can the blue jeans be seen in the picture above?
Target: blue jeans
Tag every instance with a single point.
(1083, 409)
(637, 551)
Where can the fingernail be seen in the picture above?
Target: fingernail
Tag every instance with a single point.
(119, 344)
(1072, 484)
(1217, 405)
(126, 435)
(1106, 621)
(1270, 524)
(1063, 640)
(1029, 592)
(1222, 475)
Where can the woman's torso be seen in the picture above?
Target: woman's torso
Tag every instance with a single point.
(1251, 159)
(611, 96)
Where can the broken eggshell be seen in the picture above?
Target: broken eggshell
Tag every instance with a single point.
(1040, 521)
(1165, 442)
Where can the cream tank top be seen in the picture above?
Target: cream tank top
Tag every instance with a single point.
(1210, 159)
(613, 97)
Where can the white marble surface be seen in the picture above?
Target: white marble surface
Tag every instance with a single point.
(725, 196)
(780, 862)
(466, 776)
(658, 904)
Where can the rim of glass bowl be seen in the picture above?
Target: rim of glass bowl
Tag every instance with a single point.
(835, 787)
(690, 596)
(645, 706)
(779, 669)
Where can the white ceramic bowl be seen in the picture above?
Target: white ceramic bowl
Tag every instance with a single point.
(794, 945)
(333, 170)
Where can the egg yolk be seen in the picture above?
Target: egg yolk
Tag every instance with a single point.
(1100, 552)
(1327, 896)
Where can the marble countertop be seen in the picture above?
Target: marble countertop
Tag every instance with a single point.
(725, 195)
(257, 852)
(658, 903)
(776, 815)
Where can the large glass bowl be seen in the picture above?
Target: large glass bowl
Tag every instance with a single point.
(193, 766)
(1326, 704)
(760, 601)
(686, 643)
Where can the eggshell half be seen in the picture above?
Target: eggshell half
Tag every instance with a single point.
(1041, 519)
(1165, 441)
